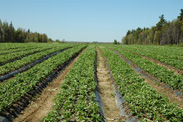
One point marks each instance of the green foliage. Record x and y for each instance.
(115, 41)
(169, 55)
(161, 73)
(161, 23)
(10, 55)
(181, 15)
(163, 33)
(58, 41)
(4, 69)
(142, 99)
(14, 89)
(76, 100)
(9, 34)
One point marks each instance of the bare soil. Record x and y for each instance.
(44, 103)
(168, 94)
(160, 86)
(112, 113)
(170, 68)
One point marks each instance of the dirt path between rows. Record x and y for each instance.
(158, 86)
(170, 68)
(44, 103)
(112, 113)
(168, 94)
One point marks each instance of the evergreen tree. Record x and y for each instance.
(9, 34)
(161, 23)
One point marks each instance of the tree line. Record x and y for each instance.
(9, 34)
(162, 33)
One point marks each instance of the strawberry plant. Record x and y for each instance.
(77, 101)
(142, 100)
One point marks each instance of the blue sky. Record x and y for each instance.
(87, 20)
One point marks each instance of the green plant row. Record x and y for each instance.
(4, 69)
(172, 56)
(18, 48)
(14, 89)
(5, 52)
(76, 100)
(142, 100)
(15, 46)
(165, 51)
(11, 56)
(162, 73)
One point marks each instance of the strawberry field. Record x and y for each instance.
(146, 82)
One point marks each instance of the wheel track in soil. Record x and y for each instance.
(39, 108)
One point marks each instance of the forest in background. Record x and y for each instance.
(162, 33)
(9, 34)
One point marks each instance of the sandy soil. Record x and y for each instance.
(168, 94)
(112, 113)
(160, 87)
(170, 68)
(44, 103)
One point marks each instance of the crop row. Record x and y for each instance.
(162, 73)
(165, 51)
(142, 100)
(4, 69)
(77, 101)
(15, 89)
(14, 46)
(3, 52)
(5, 58)
(18, 55)
(173, 57)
